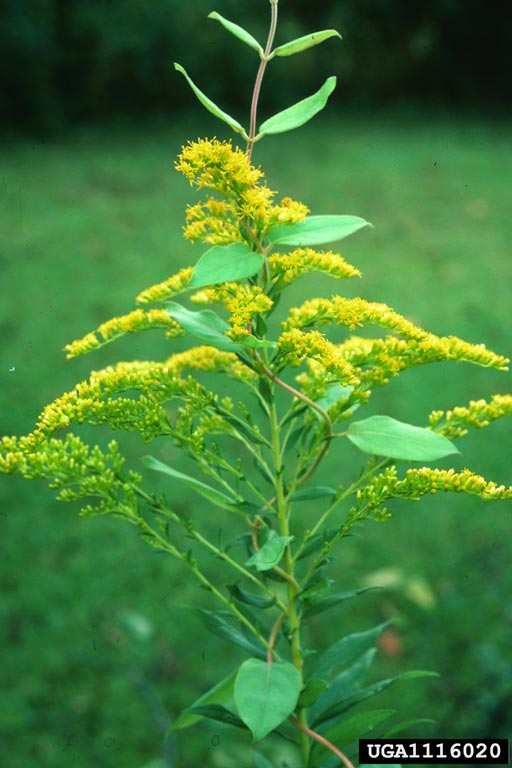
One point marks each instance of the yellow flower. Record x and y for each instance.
(247, 211)
(290, 266)
(478, 414)
(297, 346)
(133, 322)
(243, 302)
(216, 165)
(170, 287)
(214, 222)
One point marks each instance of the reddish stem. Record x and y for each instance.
(344, 759)
(273, 637)
(259, 78)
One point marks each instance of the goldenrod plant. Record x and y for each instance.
(295, 395)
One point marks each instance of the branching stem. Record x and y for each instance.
(321, 740)
(273, 636)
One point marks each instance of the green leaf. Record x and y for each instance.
(243, 596)
(344, 690)
(216, 622)
(302, 43)
(355, 727)
(205, 325)
(270, 553)
(332, 601)
(260, 760)
(312, 690)
(316, 586)
(212, 494)
(332, 395)
(299, 113)
(217, 712)
(209, 104)
(385, 436)
(253, 343)
(345, 651)
(313, 492)
(399, 727)
(237, 31)
(225, 263)
(343, 694)
(219, 694)
(315, 230)
(248, 508)
(266, 694)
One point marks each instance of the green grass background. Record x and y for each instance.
(99, 648)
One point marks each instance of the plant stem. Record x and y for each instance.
(157, 506)
(288, 567)
(304, 729)
(273, 636)
(259, 78)
(352, 488)
(325, 416)
(190, 563)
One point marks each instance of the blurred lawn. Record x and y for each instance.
(99, 648)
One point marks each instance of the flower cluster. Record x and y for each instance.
(296, 346)
(351, 313)
(216, 165)
(133, 322)
(171, 287)
(210, 360)
(287, 267)
(213, 222)
(479, 413)
(374, 361)
(243, 302)
(101, 400)
(417, 483)
(77, 470)
(246, 211)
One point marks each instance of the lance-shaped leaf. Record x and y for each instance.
(299, 113)
(243, 596)
(344, 695)
(270, 553)
(221, 693)
(314, 492)
(355, 727)
(237, 31)
(302, 43)
(385, 436)
(311, 691)
(204, 325)
(261, 761)
(315, 230)
(211, 329)
(266, 694)
(318, 606)
(225, 263)
(345, 651)
(399, 727)
(212, 494)
(209, 104)
(217, 712)
(220, 623)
